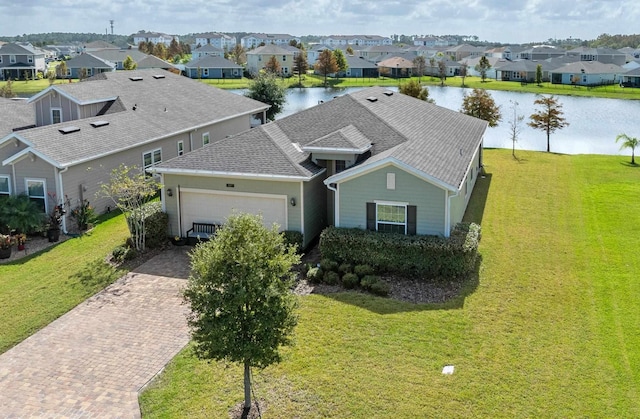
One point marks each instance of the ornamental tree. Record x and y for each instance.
(414, 89)
(242, 309)
(628, 142)
(549, 117)
(326, 64)
(266, 88)
(480, 104)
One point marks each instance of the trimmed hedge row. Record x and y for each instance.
(414, 256)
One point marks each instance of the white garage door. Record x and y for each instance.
(208, 207)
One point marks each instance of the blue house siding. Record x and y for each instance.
(215, 73)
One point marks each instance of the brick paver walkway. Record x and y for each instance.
(93, 361)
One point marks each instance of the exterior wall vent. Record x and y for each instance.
(69, 129)
(135, 78)
(97, 124)
(372, 99)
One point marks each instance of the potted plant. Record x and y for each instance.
(178, 241)
(20, 240)
(83, 214)
(53, 225)
(6, 242)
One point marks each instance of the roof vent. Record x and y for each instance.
(372, 99)
(101, 123)
(135, 78)
(69, 129)
(388, 93)
(158, 76)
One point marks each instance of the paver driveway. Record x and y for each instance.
(93, 361)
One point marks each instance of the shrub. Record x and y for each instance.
(368, 280)
(420, 256)
(350, 280)
(315, 275)
(156, 224)
(380, 288)
(293, 238)
(122, 253)
(331, 278)
(345, 268)
(363, 270)
(329, 265)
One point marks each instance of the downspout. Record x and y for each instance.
(179, 213)
(15, 184)
(447, 227)
(190, 140)
(64, 217)
(336, 206)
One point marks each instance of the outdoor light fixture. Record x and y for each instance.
(293, 202)
(169, 192)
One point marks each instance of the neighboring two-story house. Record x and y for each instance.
(254, 40)
(360, 40)
(218, 40)
(16, 61)
(137, 118)
(257, 58)
(155, 37)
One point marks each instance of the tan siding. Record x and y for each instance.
(290, 189)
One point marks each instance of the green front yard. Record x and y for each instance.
(37, 289)
(550, 329)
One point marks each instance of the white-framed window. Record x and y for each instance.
(391, 218)
(205, 138)
(151, 158)
(30, 59)
(37, 192)
(205, 72)
(68, 72)
(89, 72)
(12, 59)
(56, 115)
(0, 59)
(284, 58)
(180, 148)
(5, 185)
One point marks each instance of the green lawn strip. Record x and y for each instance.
(39, 288)
(550, 331)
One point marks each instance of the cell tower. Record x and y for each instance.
(111, 23)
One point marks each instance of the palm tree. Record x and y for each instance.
(628, 142)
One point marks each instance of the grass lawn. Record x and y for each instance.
(549, 330)
(37, 289)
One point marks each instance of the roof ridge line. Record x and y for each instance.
(286, 155)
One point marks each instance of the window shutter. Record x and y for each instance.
(371, 216)
(411, 220)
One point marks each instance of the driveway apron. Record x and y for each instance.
(93, 361)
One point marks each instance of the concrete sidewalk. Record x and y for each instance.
(93, 361)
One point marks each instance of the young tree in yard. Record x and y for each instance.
(242, 310)
(420, 64)
(301, 65)
(482, 67)
(174, 48)
(7, 90)
(481, 105)
(129, 64)
(432, 66)
(160, 51)
(341, 61)
(273, 66)
(442, 71)
(539, 74)
(51, 77)
(266, 88)
(549, 117)
(130, 188)
(326, 64)
(62, 69)
(349, 50)
(82, 74)
(515, 126)
(463, 71)
(628, 142)
(414, 89)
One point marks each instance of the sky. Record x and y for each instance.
(506, 21)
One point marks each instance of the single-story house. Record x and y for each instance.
(373, 159)
(359, 67)
(117, 56)
(631, 78)
(138, 118)
(210, 67)
(521, 70)
(495, 62)
(586, 73)
(396, 67)
(88, 63)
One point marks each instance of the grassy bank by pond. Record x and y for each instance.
(549, 329)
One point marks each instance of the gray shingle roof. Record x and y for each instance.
(164, 106)
(347, 138)
(15, 114)
(212, 62)
(115, 55)
(87, 60)
(436, 141)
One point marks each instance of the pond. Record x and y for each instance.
(594, 122)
